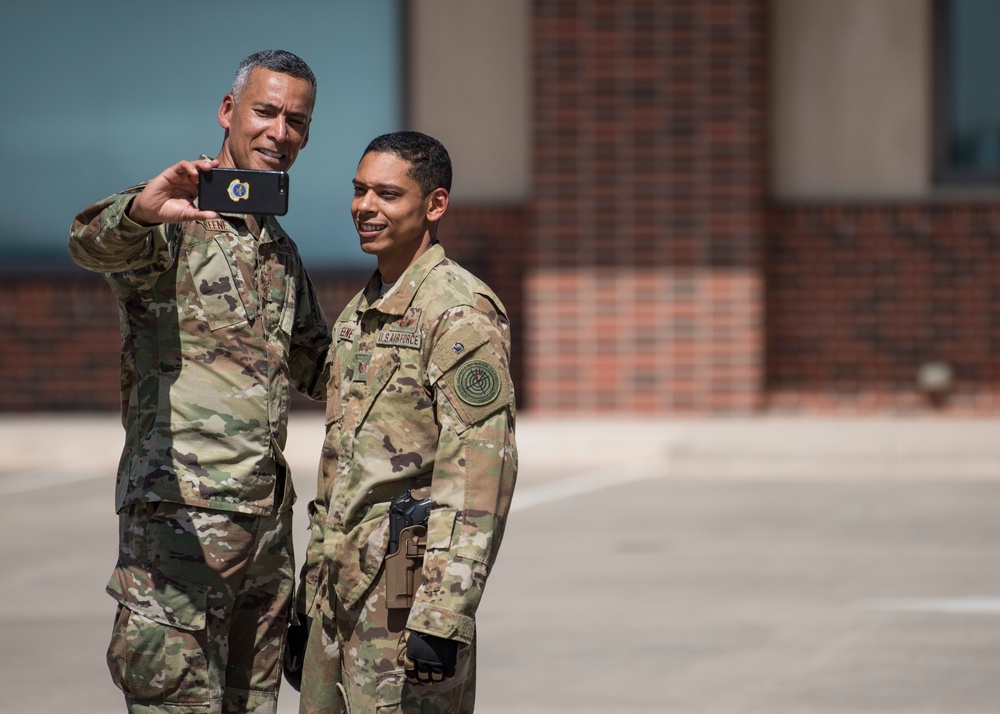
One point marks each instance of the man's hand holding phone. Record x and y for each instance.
(170, 196)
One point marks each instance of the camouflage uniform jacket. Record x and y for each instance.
(419, 390)
(215, 323)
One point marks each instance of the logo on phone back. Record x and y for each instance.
(239, 190)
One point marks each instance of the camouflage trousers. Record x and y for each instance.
(353, 663)
(203, 604)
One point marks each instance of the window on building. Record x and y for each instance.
(101, 99)
(968, 91)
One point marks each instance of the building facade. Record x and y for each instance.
(689, 207)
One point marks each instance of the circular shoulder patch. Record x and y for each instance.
(477, 383)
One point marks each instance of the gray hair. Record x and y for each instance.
(276, 61)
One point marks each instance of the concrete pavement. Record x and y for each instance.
(650, 565)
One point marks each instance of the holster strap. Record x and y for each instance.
(385, 492)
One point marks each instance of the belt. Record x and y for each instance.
(385, 492)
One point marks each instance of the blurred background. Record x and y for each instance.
(784, 213)
(688, 207)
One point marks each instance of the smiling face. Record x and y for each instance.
(394, 220)
(268, 124)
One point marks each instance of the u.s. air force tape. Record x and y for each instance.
(477, 383)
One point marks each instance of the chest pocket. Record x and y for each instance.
(277, 285)
(215, 285)
(363, 395)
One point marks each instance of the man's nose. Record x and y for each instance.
(278, 129)
(363, 203)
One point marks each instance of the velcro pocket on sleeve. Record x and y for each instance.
(479, 526)
(456, 345)
(169, 602)
(440, 535)
(440, 528)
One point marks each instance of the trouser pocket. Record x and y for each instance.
(158, 644)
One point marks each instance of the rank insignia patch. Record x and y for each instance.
(409, 321)
(361, 368)
(477, 383)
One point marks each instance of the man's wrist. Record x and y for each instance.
(130, 214)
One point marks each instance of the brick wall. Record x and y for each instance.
(860, 296)
(644, 287)
(61, 346)
(649, 272)
(60, 343)
(490, 241)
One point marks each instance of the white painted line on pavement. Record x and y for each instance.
(962, 606)
(568, 488)
(38, 478)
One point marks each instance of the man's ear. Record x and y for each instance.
(226, 111)
(437, 204)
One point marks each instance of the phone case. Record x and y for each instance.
(243, 191)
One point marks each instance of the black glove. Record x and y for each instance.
(428, 659)
(295, 650)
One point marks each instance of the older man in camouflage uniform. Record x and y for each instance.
(420, 401)
(217, 317)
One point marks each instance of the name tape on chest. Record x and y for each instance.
(395, 338)
(216, 224)
(403, 332)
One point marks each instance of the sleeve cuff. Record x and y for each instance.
(128, 228)
(430, 620)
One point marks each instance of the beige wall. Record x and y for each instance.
(468, 79)
(851, 106)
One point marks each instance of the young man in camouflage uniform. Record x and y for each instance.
(217, 317)
(420, 401)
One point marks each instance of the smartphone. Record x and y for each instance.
(243, 191)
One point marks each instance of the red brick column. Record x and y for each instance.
(643, 290)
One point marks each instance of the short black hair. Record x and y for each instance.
(281, 61)
(430, 165)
